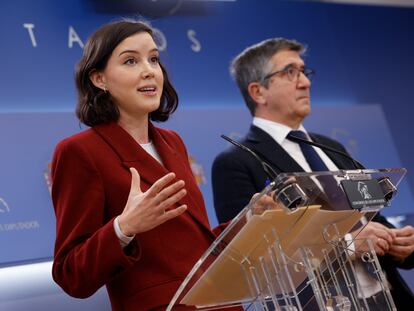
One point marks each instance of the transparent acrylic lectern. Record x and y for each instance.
(288, 249)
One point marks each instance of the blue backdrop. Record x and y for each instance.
(27, 222)
(360, 53)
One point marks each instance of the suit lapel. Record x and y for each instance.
(131, 154)
(276, 156)
(174, 162)
(264, 144)
(271, 151)
(169, 155)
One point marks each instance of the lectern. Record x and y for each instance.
(292, 252)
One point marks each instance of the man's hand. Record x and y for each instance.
(382, 238)
(403, 244)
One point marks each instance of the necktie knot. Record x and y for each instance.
(299, 134)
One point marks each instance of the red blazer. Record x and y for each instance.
(91, 182)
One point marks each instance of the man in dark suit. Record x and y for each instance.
(275, 85)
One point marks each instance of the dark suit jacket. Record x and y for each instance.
(91, 182)
(237, 175)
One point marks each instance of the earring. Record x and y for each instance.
(104, 89)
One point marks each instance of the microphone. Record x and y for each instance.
(387, 187)
(289, 194)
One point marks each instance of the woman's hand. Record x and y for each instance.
(259, 206)
(146, 210)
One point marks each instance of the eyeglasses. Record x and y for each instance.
(292, 73)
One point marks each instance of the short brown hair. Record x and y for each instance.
(96, 106)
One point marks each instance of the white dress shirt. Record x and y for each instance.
(279, 133)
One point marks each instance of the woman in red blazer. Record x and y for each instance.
(129, 212)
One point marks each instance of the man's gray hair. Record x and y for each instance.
(252, 65)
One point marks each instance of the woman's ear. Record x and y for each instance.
(98, 79)
(255, 91)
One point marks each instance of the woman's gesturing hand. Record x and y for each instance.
(146, 210)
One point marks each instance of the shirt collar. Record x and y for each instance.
(278, 131)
